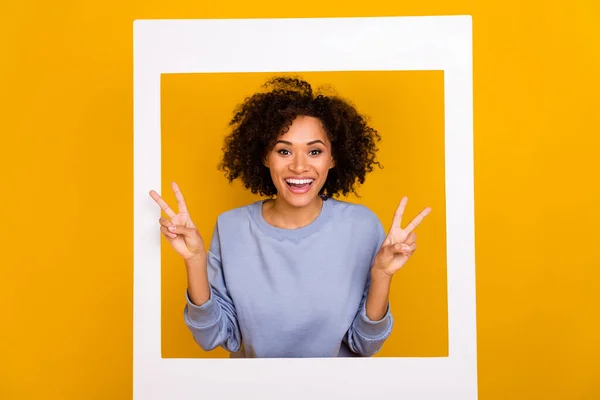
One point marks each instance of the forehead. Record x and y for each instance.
(305, 129)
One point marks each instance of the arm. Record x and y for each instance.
(198, 287)
(373, 322)
(378, 299)
(366, 336)
(210, 313)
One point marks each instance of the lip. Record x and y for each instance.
(296, 190)
(299, 177)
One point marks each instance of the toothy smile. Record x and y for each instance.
(299, 186)
(299, 181)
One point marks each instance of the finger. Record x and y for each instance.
(412, 237)
(168, 235)
(163, 204)
(417, 220)
(389, 251)
(164, 222)
(387, 241)
(399, 212)
(181, 230)
(396, 249)
(179, 196)
(404, 248)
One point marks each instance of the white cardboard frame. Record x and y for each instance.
(295, 45)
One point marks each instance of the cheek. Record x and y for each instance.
(272, 162)
(324, 165)
(275, 168)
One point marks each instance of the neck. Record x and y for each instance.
(281, 214)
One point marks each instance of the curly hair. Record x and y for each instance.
(263, 117)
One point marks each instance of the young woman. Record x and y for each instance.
(298, 274)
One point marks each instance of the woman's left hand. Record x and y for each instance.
(400, 244)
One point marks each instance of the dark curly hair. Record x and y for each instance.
(263, 117)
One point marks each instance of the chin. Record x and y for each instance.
(300, 202)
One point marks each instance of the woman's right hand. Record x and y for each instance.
(179, 230)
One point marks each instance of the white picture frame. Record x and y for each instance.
(303, 45)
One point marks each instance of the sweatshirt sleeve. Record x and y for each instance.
(366, 337)
(214, 323)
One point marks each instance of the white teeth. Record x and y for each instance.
(299, 181)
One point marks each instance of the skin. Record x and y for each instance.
(304, 150)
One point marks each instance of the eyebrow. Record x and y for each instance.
(308, 144)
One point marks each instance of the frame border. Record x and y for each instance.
(337, 44)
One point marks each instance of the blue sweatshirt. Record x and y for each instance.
(291, 292)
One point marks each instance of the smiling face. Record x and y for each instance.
(300, 161)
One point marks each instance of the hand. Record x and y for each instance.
(400, 244)
(179, 231)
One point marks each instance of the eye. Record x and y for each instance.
(283, 152)
(315, 152)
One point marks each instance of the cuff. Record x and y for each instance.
(202, 316)
(374, 329)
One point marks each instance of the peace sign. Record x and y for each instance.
(400, 243)
(179, 231)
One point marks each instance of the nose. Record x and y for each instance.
(298, 164)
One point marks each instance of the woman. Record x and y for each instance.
(299, 274)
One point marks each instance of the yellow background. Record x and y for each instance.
(66, 267)
(407, 109)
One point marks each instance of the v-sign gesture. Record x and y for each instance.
(179, 231)
(400, 243)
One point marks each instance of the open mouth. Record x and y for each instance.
(299, 185)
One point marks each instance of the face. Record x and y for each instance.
(300, 161)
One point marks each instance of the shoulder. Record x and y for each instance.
(357, 214)
(360, 222)
(236, 215)
(230, 223)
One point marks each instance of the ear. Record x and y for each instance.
(332, 163)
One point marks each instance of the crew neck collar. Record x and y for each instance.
(298, 233)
